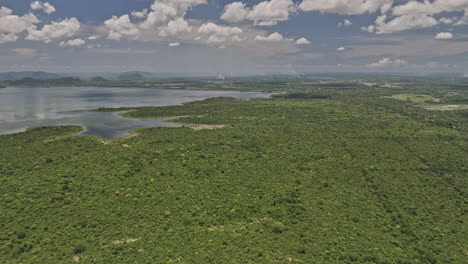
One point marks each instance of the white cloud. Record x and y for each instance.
(5, 38)
(447, 20)
(430, 8)
(340, 49)
(302, 41)
(403, 23)
(236, 38)
(140, 14)
(211, 28)
(218, 33)
(56, 30)
(266, 13)
(387, 63)
(235, 12)
(369, 29)
(46, 7)
(94, 37)
(120, 27)
(274, 37)
(174, 44)
(165, 20)
(4, 11)
(163, 11)
(175, 28)
(415, 15)
(343, 7)
(269, 13)
(464, 19)
(13, 24)
(385, 8)
(73, 43)
(215, 39)
(345, 23)
(444, 35)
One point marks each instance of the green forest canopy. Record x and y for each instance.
(335, 179)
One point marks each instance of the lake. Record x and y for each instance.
(22, 108)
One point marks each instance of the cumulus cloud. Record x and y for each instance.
(4, 11)
(274, 37)
(345, 23)
(464, 19)
(5, 38)
(13, 24)
(387, 7)
(401, 23)
(343, 7)
(302, 41)
(211, 28)
(73, 43)
(235, 12)
(46, 7)
(444, 35)
(140, 14)
(430, 8)
(121, 27)
(266, 13)
(56, 30)
(447, 20)
(269, 13)
(216, 33)
(165, 19)
(236, 38)
(175, 28)
(163, 11)
(415, 15)
(387, 63)
(340, 49)
(174, 44)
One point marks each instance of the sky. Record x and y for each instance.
(249, 37)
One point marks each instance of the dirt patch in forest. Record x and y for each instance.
(111, 141)
(77, 258)
(369, 84)
(205, 127)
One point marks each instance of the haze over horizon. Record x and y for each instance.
(210, 37)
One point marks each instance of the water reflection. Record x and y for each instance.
(21, 108)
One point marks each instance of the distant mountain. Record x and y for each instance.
(28, 74)
(98, 79)
(131, 76)
(30, 82)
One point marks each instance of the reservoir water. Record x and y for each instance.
(22, 108)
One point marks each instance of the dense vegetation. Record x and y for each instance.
(318, 175)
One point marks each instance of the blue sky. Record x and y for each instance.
(210, 37)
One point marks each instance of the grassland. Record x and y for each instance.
(330, 175)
